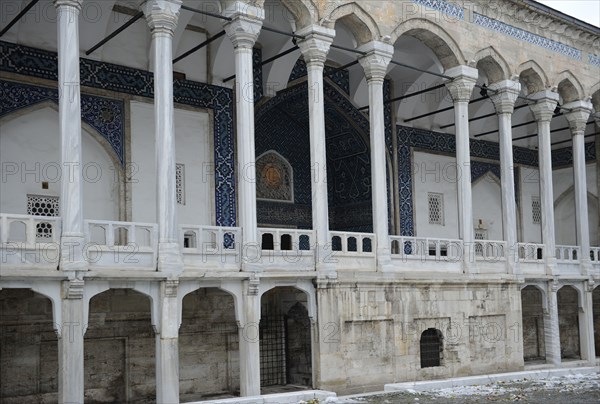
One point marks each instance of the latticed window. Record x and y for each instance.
(431, 348)
(480, 234)
(536, 210)
(41, 205)
(436, 208)
(180, 183)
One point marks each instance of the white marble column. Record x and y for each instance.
(314, 48)
(543, 110)
(551, 328)
(588, 348)
(504, 102)
(243, 30)
(577, 118)
(167, 344)
(375, 64)
(70, 344)
(162, 16)
(249, 339)
(461, 88)
(69, 112)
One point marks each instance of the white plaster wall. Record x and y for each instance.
(32, 141)
(435, 173)
(194, 66)
(529, 187)
(193, 145)
(487, 206)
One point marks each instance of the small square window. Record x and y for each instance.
(435, 202)
(41, 205)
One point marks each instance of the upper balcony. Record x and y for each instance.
(30, 245)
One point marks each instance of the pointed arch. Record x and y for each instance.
(532, 77)
(493, 65)
(434, 37)
(304, 12)
(569, 88)
(361, 24)
(595, 92)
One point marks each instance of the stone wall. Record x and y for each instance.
(370, 332)
(28, 348)
(533, 324)
(208, 345)
(568, 322)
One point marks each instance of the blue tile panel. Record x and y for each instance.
(105, 115)
(341, 77)
(43, 64)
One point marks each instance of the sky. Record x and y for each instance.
(586, 10)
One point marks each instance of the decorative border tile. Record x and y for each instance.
(526, 36)
(103, 114)
(341, 77)
(43, 64)
(257, 71)
(443, 6)
(594, 60)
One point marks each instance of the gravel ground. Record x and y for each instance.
(574, 389)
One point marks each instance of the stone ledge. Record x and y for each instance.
(280, 398)
(485, 379)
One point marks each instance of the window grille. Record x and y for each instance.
(272, 351)
(431, 348)
(536, 210)
(480, 235)
(41, 205)
(436, 208)
(180, 183)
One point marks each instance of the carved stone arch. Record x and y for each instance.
(304, 12)
(305, 286)
(493, 65)
(578, 288)
(532, 77)
(359, 22)
(274, 177)
(542, 289)
(595, 94)
(146, 288)
(434, 37)
(232, 288)
(569, 88)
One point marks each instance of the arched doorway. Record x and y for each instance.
(285, 340)
(431, 347)
(534, 347)
(28, 348)
(119, 349)
(208, 346)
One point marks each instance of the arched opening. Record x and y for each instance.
(285, 340)
(596, 315)
(534, 347)
(208, 346)
(431, 348)
(28, 348)
(568, 322)
(119, 348)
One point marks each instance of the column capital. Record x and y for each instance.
(73, 289)
(69, 3)
(578, 116)
(376, 60)
(162, 15)
(316, 43)
(504, 94)
(246, 22)
(543, 105)
(463, 80)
